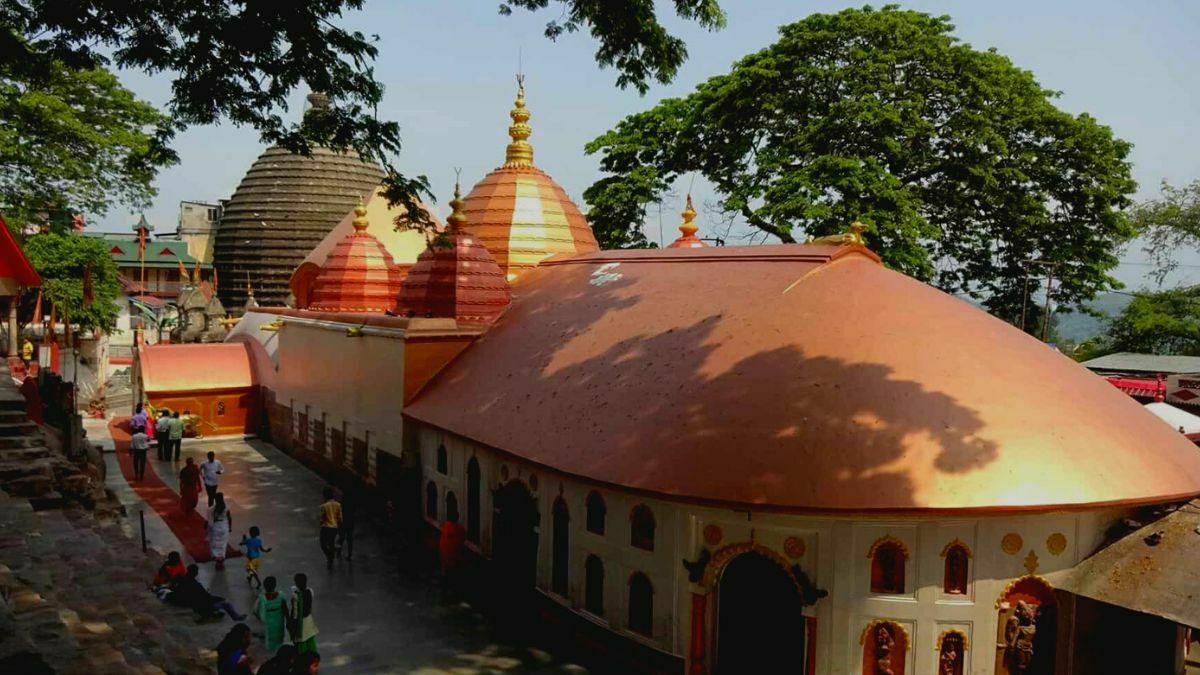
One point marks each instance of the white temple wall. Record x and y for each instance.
(834, 553)
(321, 372)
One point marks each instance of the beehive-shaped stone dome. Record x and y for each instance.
(284, 206)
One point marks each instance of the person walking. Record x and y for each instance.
(139, 447)
(300, 613)
(175, 432)
(220, 522)
(271, 610)
(254, 550)
(450, 550)
(162, 432)
(189, 486)
(27, 353)
(331, 523)
(140, 417)
(211, 471)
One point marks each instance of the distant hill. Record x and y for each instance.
(1078, 327)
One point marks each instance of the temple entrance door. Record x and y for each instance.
(514, 546)
(760, 626)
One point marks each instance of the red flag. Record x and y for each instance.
(87, 285)
(196, 274)
(37, 309)
(183, 273)
(214, 278)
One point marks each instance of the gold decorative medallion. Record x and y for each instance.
(794, 547)
(1031, 562)
(713, 534)
(1056, 543)
(1012, 543)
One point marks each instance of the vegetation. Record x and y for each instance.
(74, 138)
(61, 259)
(1163, 322)
(239, 61)
(1169, 223)
(957, 161)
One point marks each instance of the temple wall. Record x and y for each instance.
(330, 381)
(833, 552)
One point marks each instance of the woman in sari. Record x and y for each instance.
(220, 522)
(302, 625)
(189, 485)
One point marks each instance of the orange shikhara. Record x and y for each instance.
(359, 275)
(519, 213)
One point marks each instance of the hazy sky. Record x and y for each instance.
(448, 67)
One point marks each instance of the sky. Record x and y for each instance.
(449, 69)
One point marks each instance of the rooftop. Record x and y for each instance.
(1130, 362)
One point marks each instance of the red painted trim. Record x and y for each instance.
(696, 665)
(10, 252)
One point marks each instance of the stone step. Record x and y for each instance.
(25, 428)
(22, 442)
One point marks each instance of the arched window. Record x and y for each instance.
(885, 646)
(888, 556)
(443, 462)
(451, 506)
(641, 527)
(596, 513)
(431, 500)
(958, 560)
(561, 553)
(593, 600)
(641, 605)
(473, 500)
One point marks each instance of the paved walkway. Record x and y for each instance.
(372, 617)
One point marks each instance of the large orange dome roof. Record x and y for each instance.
(359, 275)
(519, 213)
(800, 378)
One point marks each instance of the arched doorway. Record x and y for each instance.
(514, 547)
(760, 625)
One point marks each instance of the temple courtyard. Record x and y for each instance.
(373, 616)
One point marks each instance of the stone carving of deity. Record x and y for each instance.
(950, 658)
(884, 642)
(1019, 632)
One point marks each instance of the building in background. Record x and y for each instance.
(198, 228)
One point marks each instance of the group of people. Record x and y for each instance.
(167, 430)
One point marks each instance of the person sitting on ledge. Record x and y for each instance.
(172, 571)
(190, 593)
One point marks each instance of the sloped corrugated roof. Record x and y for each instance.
(1145, 363)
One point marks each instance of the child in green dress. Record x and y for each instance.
(271, 609)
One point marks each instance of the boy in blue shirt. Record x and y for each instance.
(254, 550)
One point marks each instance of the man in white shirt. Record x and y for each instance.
(211, 471)
(139, 445)
(162, 433)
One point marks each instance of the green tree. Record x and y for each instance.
(240, 59)
(60, 260)
(957, 161)
(1163, 322)
(1169, 223)
(75, 138)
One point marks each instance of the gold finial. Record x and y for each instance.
(360, 216)
(249, 288)
(853, 237)
(457, 219)
(519, 152)
(688, 228)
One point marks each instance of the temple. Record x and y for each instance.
(710, 459)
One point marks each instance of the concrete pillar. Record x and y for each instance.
(14, 343)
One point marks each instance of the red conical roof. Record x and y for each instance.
(359, 275)
(456, 277)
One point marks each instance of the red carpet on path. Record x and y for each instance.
(189, 528)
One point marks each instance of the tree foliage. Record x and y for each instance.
(240, 59)
(60, 260)
(1168, 224)
(75, 138)
(1163, 322)
(958, 161)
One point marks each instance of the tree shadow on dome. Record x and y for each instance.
(685, 410)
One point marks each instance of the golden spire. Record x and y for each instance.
(687, 227)
(519, 152)
(457, 219)
(249, 288)
(360, 217)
